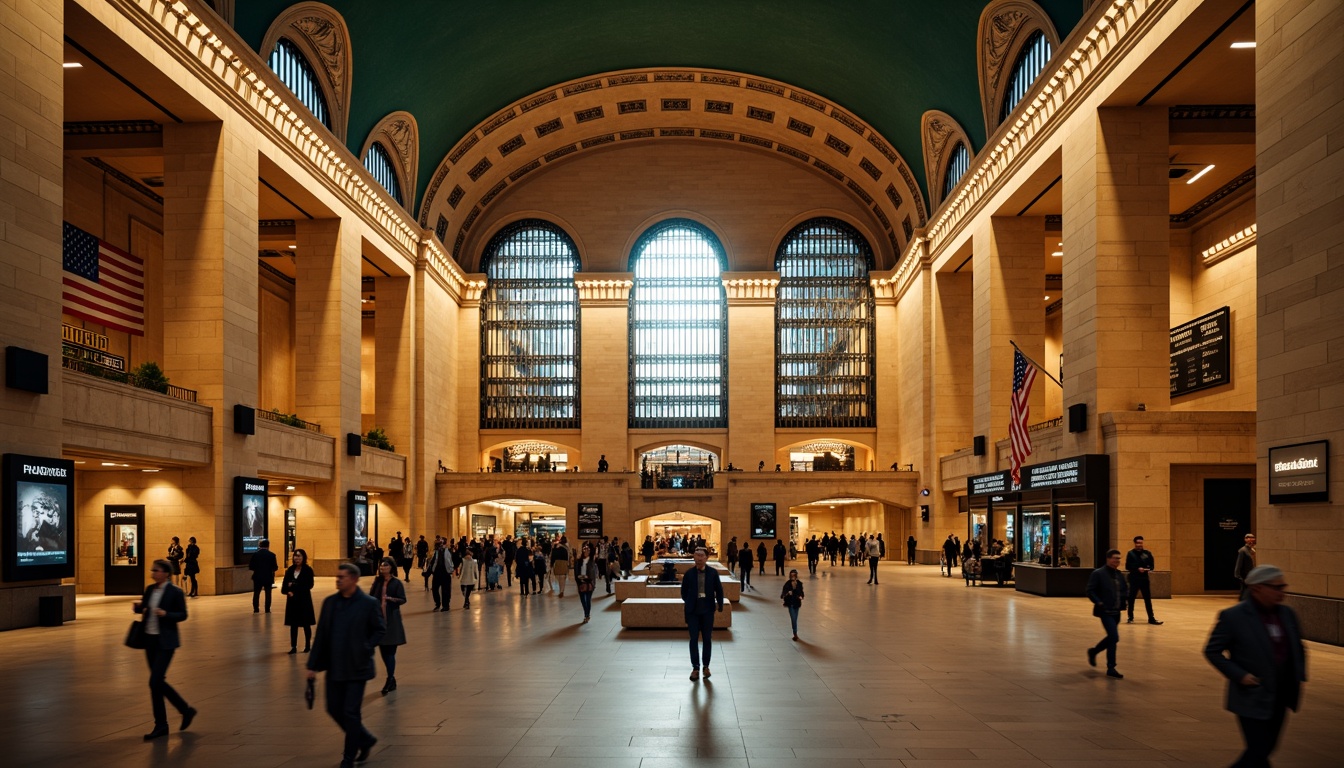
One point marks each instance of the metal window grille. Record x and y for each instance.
(298, 75)
(678, 329)
(957, 166)
(530, 329)
(1033, 58)
(379, 165)
(824, 356)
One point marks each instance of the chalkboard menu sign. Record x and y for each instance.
(1199, 353)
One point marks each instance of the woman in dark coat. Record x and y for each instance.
(526, 572)
(192, 564)
(298, 590)
(792, 595)
(390, 593)
(627, 560)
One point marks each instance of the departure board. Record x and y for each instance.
(1200, 353)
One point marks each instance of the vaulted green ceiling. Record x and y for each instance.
(452, 64)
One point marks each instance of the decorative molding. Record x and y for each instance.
(1218, 194)
(399, 133)
(1005, 26)
(134, 184)
(1212, 112)
(319, 32)
(1237, 241)
(746, 289)
(939, 132)
(604, 289)
(591, 113)
(112, 128)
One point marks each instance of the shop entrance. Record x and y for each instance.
(679, 527)
(123, 564)
(1227, 520)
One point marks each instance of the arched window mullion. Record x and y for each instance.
(289, 63)
(1031, 60)
(379, 165)
(959, 161)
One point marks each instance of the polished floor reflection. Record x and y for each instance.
(920, 671)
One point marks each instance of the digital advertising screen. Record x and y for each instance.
(762, 521)
(249, 515)
(38, 518)
(590, 521)
(357, 509)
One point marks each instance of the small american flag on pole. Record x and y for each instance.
(102, 284)
(1024, 375)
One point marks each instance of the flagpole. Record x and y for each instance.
(1037, 365)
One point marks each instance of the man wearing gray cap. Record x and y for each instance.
(1257, 646)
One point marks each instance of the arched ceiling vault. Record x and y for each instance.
(670, 104)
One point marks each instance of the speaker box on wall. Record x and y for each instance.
(1078, 417)
(244, 420)
(980, 445)
(25, 370)
(354, 444)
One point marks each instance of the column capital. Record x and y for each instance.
(473, 285)
(747, 289)
(604, 289)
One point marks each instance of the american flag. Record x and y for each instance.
(102, 284)
(1024, 375)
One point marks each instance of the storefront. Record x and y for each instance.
(1048, 533)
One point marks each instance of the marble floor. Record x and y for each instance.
(919, 671)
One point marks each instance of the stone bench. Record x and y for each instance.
(645, 586)
(683, 565)
(665, 613)
(631, 587)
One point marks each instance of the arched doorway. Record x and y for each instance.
(850, 517)
(683, 525)
(519, 518)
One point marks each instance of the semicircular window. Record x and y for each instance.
(824, 359)
(530, 329)
(957, 165)
(379, 165)
(1033, 58)
(678, 329)
(298, 76)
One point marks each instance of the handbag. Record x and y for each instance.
(135, 636)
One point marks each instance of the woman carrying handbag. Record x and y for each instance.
(163, 607)
(792, 595)
(585, 578)
(298, 590)
(390, 593)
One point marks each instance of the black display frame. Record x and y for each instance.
(37, 470)
(590, 521)
(1204, 341)
(244, 487)
(355, 501)
(1311, 497)
(759, 509)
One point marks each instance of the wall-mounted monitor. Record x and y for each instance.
(590, 521)
(250, 524)
(357, 519)
(762, 521)
(39, 519)
(1299, 473)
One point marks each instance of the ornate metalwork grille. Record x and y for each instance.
(530, 329)
(824, 358)
(298, 75)
(957, 165)
(379, 165)
(678, 329)
(1033, 58)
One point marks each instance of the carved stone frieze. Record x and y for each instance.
(940, 134)
(320, 34)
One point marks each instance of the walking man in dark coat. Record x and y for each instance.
(442, 574)
(1106, 589)
(1245, 562)
(910, 544)
(949, 553)
(1138, 564)
(349, 629)
(1257, 646)
(780, 554)
(263, 566)
(701, 593)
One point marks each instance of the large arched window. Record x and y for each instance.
(298, 75)
(1033, 58)
(824, 373)
(678, 329)
(957, 165)
(379, 165)
(530, 329)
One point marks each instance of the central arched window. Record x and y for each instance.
(824, 361)
(530, 329)
(678, 329)
(379, 165)
(1033, 58)
(298, 75)
(957, 165)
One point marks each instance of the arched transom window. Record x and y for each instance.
(379, 165)
(1033, 58)
(298, 75)
(824, 328)
(530, 329)
(678, 329)
(957, 164)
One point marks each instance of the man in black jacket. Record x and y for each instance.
(813, 549)
(701, 592)
(1138, 564)
(442, 574)
(1106, 589)
(1257, 646)
(1245, 562)
(350, 627)
(263, 567)
(164, 607)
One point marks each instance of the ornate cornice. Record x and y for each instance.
(112, 128)
(1005, 26)
(750, 288)
(939, 133)
(1233, 243)
(400, 136)
(319, 31)
(604, 289)
(680, 104)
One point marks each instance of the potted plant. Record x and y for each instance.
(149, 375)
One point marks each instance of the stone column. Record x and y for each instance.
(1300, 286)
(751, 369)
(468, 361)
(952, 397)
(327, 365)
(395, 368)
(604, 372)
(436, 381)
(210, 318)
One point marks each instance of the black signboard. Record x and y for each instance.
(357, 517)
(39, 520)
(590, 521)
(1299, 473)
(1199, 353)
(1055, 474)
(763, 518)
(250, 522)
(983, 485)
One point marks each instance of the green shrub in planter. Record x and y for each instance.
(378, 439)
(149, 375)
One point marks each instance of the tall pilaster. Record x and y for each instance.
(751, 374)
(394, 390)
(604, 372)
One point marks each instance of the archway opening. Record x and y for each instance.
(849, 519)
(675, 532)
(519, 518)
(677, 466)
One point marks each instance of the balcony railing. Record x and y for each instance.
(289, 420)
(123, 377)
(1047, 424)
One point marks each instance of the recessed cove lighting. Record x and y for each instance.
(293, 247)
(1047, 298)
(109, 463)
(1243, 44)
(71, 65)
(1200, 175)
(149, 470)
(289, 487)
(1057, 253)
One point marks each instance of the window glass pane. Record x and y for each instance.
(1033, 58)
(824, 328)
(529, 329)
(678, 309)
(298, 75)
(957, 165)
(379, 165)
